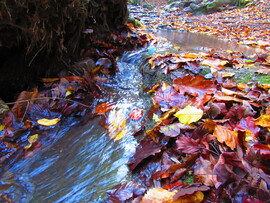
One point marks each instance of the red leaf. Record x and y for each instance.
(190, 190)
(145, 149)
(248, 124)
(103, 108)
(195, 86)
(187, 144)
(136, 114)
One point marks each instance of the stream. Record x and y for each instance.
(85, 162)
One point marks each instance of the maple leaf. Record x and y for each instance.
(168, 97)
(224, 135)
(189, 114)
(195, 86)
(187, 144)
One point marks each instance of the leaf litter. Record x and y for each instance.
(210, 141)
(218, 149)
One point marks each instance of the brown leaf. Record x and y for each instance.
(191, 190)
(187, 144)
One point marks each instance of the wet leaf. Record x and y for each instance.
(32, 139)
(116, 124)
(104, 107)
(224, 135)
(172, 130)
(189, 114)
(136, 114)
(191, 194)
(195, 86)
(145, 149)
(187, 144)
(168, 97)
(48, 122)
(216, 63)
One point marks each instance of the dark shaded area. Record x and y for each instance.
(40, 38)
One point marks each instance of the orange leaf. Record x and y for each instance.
(160, 195)
(263, 120)
(103, 108)
(223, 134)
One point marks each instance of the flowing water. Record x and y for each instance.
(83, 163)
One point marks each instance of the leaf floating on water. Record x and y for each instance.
(32, 139)
(117, 124)
(104, 107)
(189, 114)
(48, 122)
(136, 114)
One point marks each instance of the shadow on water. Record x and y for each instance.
(84, 162)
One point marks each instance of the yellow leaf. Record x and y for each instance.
(31, 140)
(160, 195)
(2, 127)
(117, 124)
(189, 114)
(48, 122)
(263, 120)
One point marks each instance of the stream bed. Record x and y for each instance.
(85, 162)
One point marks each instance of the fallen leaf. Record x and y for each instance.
(172, 130)
(160, 195)
(196, 86)
(116, 124)
(215, 63)
(224, 135)
(187, 144)
(104, 107)
(263, 120)
(189, 114)
(48, 122)
(136, 114)
(167, 97)
(31, 139)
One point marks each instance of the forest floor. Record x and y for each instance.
(210, 141)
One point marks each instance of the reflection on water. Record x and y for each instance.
(84, 162)
(197, 41)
